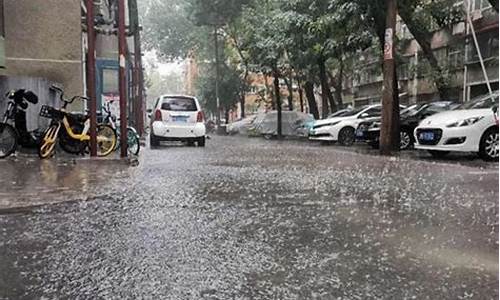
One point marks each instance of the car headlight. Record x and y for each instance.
(466, 122)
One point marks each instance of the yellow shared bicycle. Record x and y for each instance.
(71, 130)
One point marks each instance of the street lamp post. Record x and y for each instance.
(217, 75)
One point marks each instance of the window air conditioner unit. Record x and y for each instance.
(459, 28)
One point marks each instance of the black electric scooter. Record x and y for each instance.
(13, 128)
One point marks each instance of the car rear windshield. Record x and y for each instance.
(179, 104)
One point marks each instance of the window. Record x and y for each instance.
(455, 58)
(110, 81)
(488, 45)
(179, 104)
(404, 68)
(374, 112)
(441, 55)
(480, 5)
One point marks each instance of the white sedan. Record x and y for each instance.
(342, 129)
(472, 127)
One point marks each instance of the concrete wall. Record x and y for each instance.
(43, 39)
(41, 87)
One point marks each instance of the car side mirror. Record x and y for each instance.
(364, 115)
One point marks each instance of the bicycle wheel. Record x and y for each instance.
(134, 146)
(70, 145)
(106, 140)
(48, 144)
(8, 140)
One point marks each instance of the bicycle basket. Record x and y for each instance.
(50, 112)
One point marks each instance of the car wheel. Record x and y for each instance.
(153, 141)
(405, 140)
(438, 154)
(374, 144)
(488, 148)
(346, 136)
(201, 142)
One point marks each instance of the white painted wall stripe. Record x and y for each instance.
(44, 60)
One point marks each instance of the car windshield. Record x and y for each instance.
(340, 113)
(354, 111)
(411, 110)
(179, 104)
(433, 108)
(481, 102)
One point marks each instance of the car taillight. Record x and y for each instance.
(158, 116)
(200, 118)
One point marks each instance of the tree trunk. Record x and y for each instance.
(337, 83)
(289, 85)
(389, 129)
(423, 37)
(242, 105)
(243, 94)
(325, 90)
(278, 101)
(270, 92)
(301, 95)
(311, 100)
(226, 115)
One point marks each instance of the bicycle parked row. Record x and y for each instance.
(69, 130)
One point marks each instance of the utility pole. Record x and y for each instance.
(122, 78)
(91, 84)
(138, 76)
(278, 102)
(217, 75)
(389, 131)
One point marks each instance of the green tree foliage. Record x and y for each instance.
(214, 12)
(322, 35)
(168, 30)
(229, 87)
(160, 84)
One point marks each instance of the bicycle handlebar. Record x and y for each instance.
(66, 102)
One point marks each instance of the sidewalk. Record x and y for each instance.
(27, 181)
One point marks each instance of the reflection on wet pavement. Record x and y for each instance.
(252, 219)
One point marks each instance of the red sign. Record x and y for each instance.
(388, 46)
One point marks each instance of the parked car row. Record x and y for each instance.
(293, 124)
(438, 127)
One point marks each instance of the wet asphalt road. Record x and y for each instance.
(250, 219)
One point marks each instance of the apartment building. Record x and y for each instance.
(45, 43)
(455, 51)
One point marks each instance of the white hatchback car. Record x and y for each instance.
(471, 127)
(178, 118)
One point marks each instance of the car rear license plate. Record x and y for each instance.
(180, 119)
(427, 136)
